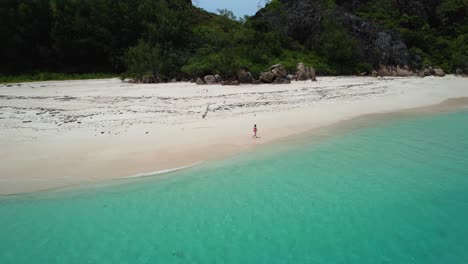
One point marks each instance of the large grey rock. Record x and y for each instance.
(403, 72)
(279, 71)
(459, 71)
(384, 71)
(200, 82)
(302, 73)
(281, 81)
(301, 67)
(313, 76)
(427, 72)
(272, 67)
(210, 79)
(267, 77)
(439, 73)
(244, 76)
(431, 70)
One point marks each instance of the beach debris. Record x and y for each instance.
(206, 111)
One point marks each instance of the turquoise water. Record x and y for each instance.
(396, 192)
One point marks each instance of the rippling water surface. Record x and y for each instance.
(396, 192)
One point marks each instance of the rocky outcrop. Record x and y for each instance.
(404, 72)
(281, 80)
(302, 20)
(200, 82)
(395, 71)
(431, 72)
(279, 71)
(244, 76)
(439, 73)
(210, 79)
(267, 77)
(304, 73)
(230, 82)
(276, 75)
(428, 71)
(425, 9)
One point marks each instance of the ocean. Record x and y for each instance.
(395, 191)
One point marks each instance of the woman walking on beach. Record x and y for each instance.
(255, 131)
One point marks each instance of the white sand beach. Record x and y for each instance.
(61, 133)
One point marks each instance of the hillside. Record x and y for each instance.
(174, 39)
(389, 32)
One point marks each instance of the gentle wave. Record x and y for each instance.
(154, 173)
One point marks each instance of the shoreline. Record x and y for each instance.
(287, 142)
(185, 138)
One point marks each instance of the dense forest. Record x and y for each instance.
(176, 39)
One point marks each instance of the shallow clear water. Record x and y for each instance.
(396, 192)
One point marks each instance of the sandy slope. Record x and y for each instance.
(54, 134)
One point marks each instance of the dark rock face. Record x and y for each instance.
(377, 46)
(425, 9)
(302, 21)
(267, 77)
(298, 19)
(244, 76)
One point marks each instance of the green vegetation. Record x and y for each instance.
(136, 38)
(174, 39)
(339, 48)
(50, 76)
